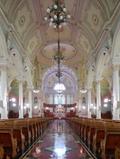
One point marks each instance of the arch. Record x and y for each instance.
(67, 73)
(13, 99)
(116, 45)
(14, 88)
(105, 87)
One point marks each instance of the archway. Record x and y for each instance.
(13, 100)
(68, 79)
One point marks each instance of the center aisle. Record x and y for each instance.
(58, 142)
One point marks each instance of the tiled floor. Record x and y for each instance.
(58, 142)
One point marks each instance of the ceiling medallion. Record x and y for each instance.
(22, 20)
(95, 19)
(68, 50)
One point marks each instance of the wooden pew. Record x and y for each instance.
(101, 136)
(2, 152)
(75, 125)
(98, 136)
(8, 143)
(22, 125)
(87, 129)
(32, 127)
(90, 137)
(39, 128)
(82, 126)
(117, 153)
(17, 133)
(111, 140)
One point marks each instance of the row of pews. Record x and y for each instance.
(17, 135)
(102, 137)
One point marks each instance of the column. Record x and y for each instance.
(116, 93)
(89, 103)
(30, 102)
(80, 105)
(4, 114)
(98, 91)
(52, 98)
(41, 108)
(20, 99)
(43, 101)
(65, 99)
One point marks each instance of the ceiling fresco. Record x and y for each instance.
(94, 18)
(68, 51)
(88, 18)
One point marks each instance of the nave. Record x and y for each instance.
(58, 142)
(59, 59)
(59, 138)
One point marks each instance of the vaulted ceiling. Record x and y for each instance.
(78, 39)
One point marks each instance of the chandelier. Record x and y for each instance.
(59, 87)
(58, 57)
(36, 90)
(57, 14)
(83, 89)
(57, 17)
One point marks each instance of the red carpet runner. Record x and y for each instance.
(58, 142)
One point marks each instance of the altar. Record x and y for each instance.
(60, 110)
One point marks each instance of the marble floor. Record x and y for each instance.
(58, 142)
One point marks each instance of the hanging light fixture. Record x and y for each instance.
(57, 17)
(59, 87)
(36, 90)
(57, 14)
(83, 89)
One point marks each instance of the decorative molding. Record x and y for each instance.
(107, 28)
(13, 34)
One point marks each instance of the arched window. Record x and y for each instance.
(59, 99)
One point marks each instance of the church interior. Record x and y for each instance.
(59, 79)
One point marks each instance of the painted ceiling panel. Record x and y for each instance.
(111, 5)
(93, 18)
(23, 18)
(88, 17)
